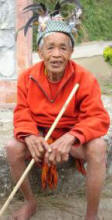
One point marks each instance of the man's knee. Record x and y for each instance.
(15, 150)
(96, 150)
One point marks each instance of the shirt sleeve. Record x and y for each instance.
(23, 121)
(93, 119)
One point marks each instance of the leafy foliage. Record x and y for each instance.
(96, 20)
(108, 54)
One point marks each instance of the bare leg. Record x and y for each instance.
(94, 153)
(16, 153)
(96, 170)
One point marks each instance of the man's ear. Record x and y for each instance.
(40, 53)
(72, 50)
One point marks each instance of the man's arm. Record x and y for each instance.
(23, 121)
(93, 120)
(25, 128)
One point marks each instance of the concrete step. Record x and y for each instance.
(62, 207)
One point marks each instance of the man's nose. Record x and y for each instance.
(56, 52)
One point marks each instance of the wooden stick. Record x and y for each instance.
(33, 161)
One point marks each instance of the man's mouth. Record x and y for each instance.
(56, 63)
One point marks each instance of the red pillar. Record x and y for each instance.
(23, 44)
(23, 55)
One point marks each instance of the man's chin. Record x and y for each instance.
(57, 70)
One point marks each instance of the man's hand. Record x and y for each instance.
(37, 147)
(60, 149)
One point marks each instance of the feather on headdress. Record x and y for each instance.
(42, 15)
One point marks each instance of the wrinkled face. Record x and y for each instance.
(56, 51)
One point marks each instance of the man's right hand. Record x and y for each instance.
(37, 147)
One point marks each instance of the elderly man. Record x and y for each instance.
(42, 91)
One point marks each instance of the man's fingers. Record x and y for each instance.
(36, 154)
(39, 150)
(46, 157)
(41, 147)
(46, 145)
(58, 158)
(51, 157)
(36, 158)
(65, 157)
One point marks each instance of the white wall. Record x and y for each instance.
(7, 39)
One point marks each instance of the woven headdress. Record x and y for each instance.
(52, 20)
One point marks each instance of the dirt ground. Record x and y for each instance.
(63, 207)
(101, 70)
(73, 207)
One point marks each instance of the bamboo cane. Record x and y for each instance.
(33, 161)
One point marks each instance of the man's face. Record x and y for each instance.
(56, 51)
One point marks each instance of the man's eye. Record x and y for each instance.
(49, 48)
(63, 48)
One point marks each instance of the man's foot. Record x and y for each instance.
(25, 213)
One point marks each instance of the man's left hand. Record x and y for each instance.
(60, 149)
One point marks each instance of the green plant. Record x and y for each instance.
(107, 53)
(96, 21)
